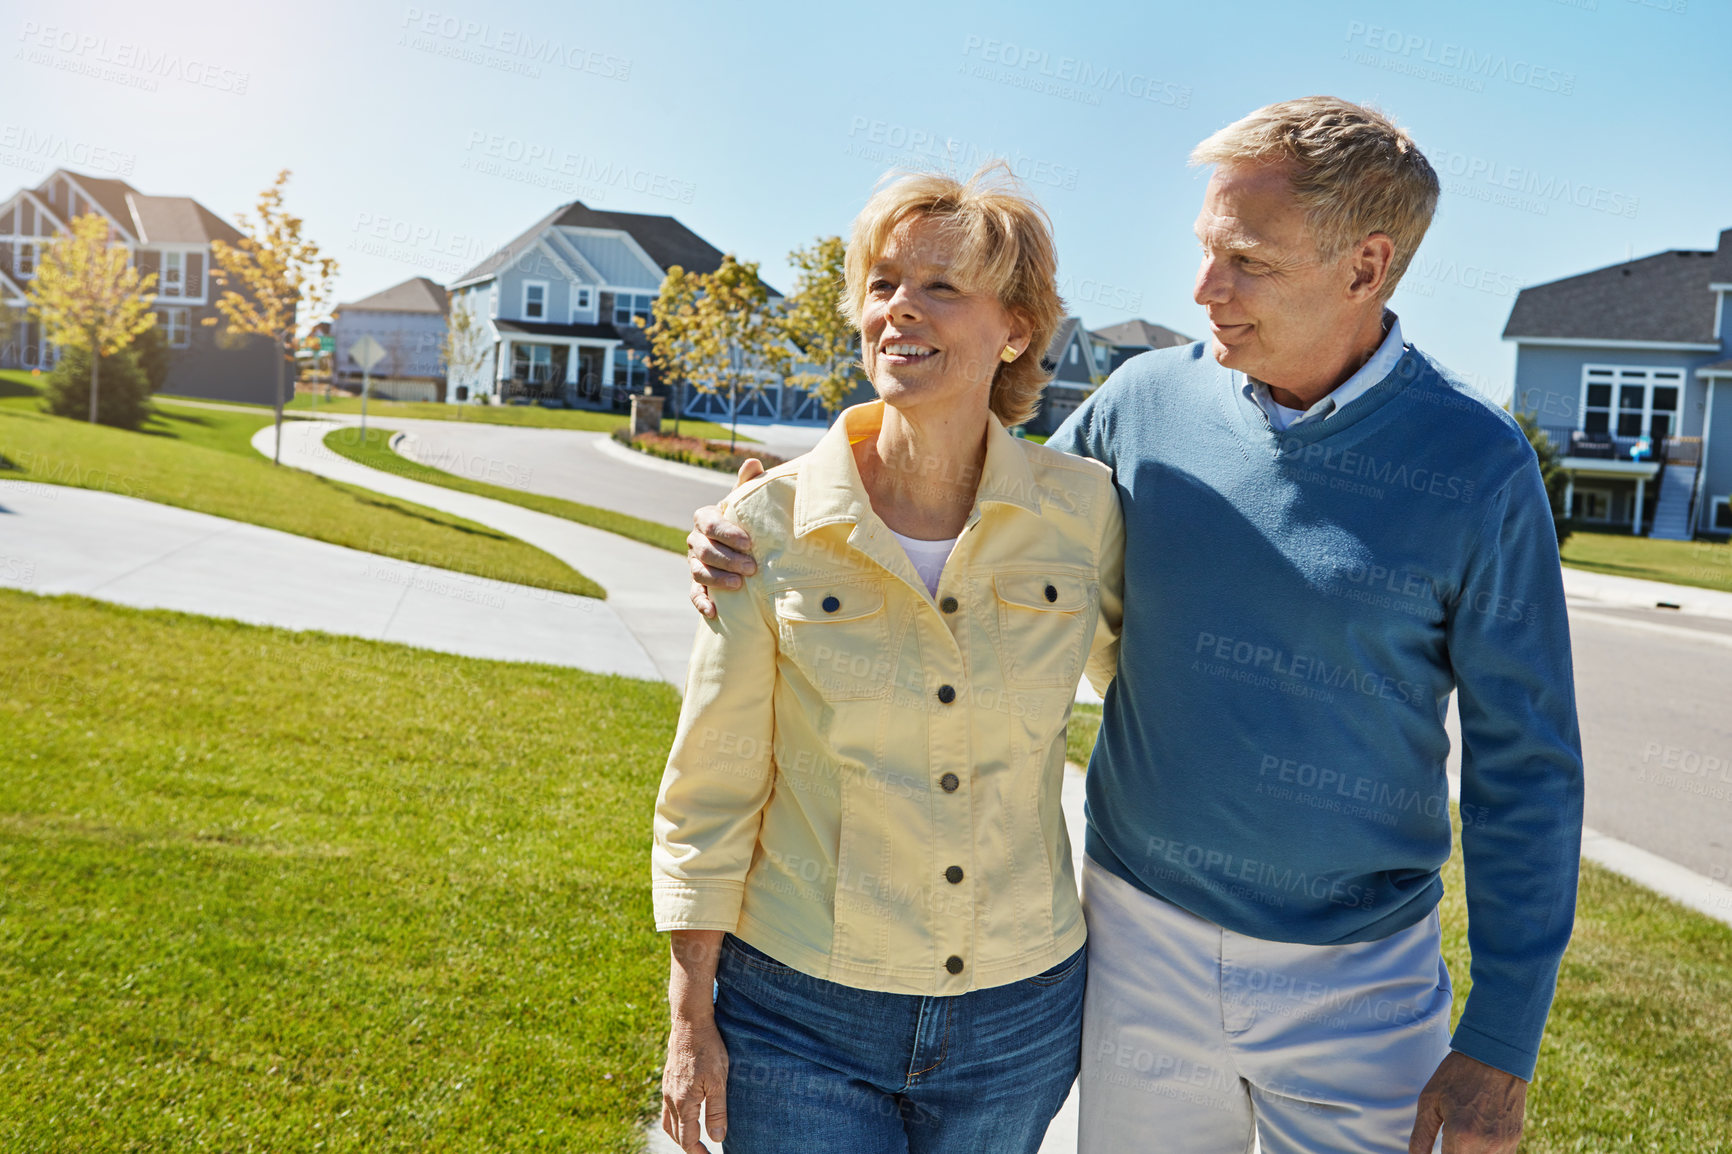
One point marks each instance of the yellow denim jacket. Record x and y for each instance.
(865, 780)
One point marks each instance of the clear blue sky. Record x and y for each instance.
(1568, 132)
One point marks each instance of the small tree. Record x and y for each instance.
(1551, 471)
(737, 336)
(87, 294)
(465, 347)
(817, 326)
(274, 281)
(672, 332)
(125, 398)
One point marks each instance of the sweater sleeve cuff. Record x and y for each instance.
(1495, 1052)
(708, 905)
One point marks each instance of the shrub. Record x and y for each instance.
(151, 349)
(122, 392)
(692, 451)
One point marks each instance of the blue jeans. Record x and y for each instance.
(814, 1066)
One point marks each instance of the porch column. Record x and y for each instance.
(1641, 491)
(571, 348)
(607, 365)
(502, 370)
(1569, 495)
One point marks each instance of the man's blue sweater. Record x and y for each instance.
(1298, 607)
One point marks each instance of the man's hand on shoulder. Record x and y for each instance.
(1478, 1107)
(719, 551)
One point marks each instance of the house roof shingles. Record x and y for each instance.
(151, 219)
(1662, 297)
(665, 239)
(1141, 334)
(415, 295)
(1721, 270)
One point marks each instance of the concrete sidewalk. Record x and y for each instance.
(646, 587)
(58, 539)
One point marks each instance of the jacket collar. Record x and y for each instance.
(831, 491)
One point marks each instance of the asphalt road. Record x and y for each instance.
(1654, 693)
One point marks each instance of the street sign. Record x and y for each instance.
(367, 353)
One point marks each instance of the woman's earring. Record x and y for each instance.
(1009, 354)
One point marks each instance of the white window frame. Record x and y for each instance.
(174, 286)
(582, 298)
(177, 327)
(631, 310)
(19, 263)
(1073, 356)
(527, 285)
(1620, 377)
(1583, 494)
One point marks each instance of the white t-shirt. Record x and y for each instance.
(928, 557)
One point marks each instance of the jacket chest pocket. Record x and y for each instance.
(1043, 616)
(838, 635)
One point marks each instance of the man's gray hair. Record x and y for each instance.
(1352, 169)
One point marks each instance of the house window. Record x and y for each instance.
(1723, 513)
(1592, 505)
(630, 371)
(632, 308)
(175, 327)
(532, 363)
(534, 300)
(582, 300)
(1631, 402)
(173, 279)
(25, 261)
(1073, 354)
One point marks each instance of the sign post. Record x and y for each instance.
(367, 353)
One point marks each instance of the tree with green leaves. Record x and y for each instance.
(672, 332)
(87, 294)
(274, 282)
(1551, 470)
(716, 331)
(815, 324)
(466, 346)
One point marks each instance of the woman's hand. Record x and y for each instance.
(696, 1075)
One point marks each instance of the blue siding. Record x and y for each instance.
(1548, 381)
(1717, 476)
(615, 260)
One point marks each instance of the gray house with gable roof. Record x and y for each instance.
(564, 305)
(408, 321)
(1628, 368)
(167, 235)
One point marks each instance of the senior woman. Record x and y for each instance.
(858, 835)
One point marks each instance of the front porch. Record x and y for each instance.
(570, 372)
(1647, 483)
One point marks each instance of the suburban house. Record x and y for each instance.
(167, 235)
(1628, 368)
(1080, 360)
(408, 321)
(1134, 337)
(561, 312)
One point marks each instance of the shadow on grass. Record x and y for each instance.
(15, 388)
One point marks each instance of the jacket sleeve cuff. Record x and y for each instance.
(1495, 1052)
(708, 905)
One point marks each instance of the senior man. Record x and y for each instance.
(1326, 534)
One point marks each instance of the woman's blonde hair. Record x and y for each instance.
(1353, 171)
(1005, 248)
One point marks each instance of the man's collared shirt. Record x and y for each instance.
(1381, 364)
(866, 776)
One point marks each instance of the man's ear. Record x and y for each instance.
(1370, 266)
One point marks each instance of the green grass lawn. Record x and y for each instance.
(1705, 564)
(375, 452)
(263, 890)
(535, 416)
(202, 459)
